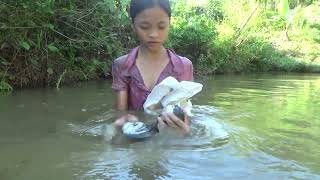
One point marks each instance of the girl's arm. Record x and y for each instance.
(122, 100)
(122, 107)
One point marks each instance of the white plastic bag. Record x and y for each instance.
(171, 92)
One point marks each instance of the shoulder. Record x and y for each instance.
(186, 62)
(126, 61)
(187, 73)
(120, 61)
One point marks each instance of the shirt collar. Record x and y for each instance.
(174, 58)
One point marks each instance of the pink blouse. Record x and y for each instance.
(127, 77)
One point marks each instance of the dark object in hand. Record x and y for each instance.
(140, 131)
(178, 112)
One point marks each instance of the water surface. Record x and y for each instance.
(272, 122)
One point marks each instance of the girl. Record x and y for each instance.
(135, 74)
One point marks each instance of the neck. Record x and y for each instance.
(152, 55)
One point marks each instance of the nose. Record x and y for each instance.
(154, 33)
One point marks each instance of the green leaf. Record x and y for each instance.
(53, 48)
(284, 9)
(4, 86)
(5, 63)
(95, 61)
(34, 62)
(50, 26)
(50, 71)
(25, 45)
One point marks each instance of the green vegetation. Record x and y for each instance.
(54, 42)
(254, 37)
(50, 42)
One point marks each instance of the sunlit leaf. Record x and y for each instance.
(53, 48)
(25, 45)
(50, 71)
(284, 9)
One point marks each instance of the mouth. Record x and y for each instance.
(153, 42)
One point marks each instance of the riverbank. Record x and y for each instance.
(54, 43)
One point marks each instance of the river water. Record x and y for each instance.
(264, 126)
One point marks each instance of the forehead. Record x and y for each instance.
(152, 15)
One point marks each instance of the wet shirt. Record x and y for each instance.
(127, 77)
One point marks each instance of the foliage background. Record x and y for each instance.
(55, 42)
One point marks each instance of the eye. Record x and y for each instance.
(162, 27)
(144, 27)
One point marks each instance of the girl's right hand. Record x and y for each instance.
(172, 121)
(127, 118)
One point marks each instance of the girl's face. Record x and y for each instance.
(152, 28)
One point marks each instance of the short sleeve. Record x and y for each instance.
(119, 82)
(187, 69)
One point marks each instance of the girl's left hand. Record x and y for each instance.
(126, 118)
(171, 120)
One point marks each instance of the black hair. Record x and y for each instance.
(137, 6)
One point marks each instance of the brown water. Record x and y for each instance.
(245, 127)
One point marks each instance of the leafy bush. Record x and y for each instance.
(192, 33)
(49, 40)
